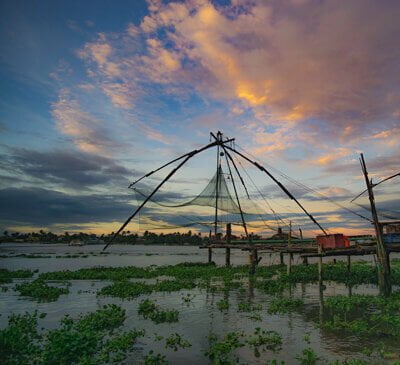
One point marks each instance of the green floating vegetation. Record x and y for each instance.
(27, 256)
(40, 291)
(176, 341)
(364, 314)
(88, 340)
(284, 305)
(248, 307)
(307, 357)
(223, 305)
(151, 310)
(125, 289)
(128, 290)
(7, 276)
(264, 340)
(221, 349)
(155, 359)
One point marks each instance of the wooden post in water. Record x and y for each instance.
(228, 242)
(252, 261)
(281, 258)
(348, 263)
(289, 264)
(383, 262)
(209, 249)
(320, 265)
(290, 255)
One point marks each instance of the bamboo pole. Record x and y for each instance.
(286, 191)
(383, 262)
(228, 241)
(171, 173)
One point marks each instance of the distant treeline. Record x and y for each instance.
(126, 237)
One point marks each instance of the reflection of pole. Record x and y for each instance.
(321, 304)
(383, 262)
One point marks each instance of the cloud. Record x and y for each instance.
(316, 68)
(68, 169)
(46, 207)
(334, 61)
(86, 131)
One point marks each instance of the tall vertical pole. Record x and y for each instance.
(228, 242)
(383, 262)
(219, 138)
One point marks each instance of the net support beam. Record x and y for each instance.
(171, 173)
(286, 191)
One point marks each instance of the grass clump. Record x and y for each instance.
(40, 291)
(149, 309)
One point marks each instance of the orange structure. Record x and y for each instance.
(337, 240)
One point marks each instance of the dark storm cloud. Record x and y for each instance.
(46, 207)
(69, 169)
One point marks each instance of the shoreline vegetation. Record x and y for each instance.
(125, 237)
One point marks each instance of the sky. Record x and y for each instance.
(96, 94)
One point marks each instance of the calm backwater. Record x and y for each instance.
(198, 319)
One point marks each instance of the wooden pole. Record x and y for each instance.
(383, 262)
(228, 241)
(290, 195)
(252, 259)
(170, 174)
(281, 258)
(289, 265)
(320, 265)
(348, 263)
(290, 256)
(209, 255)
